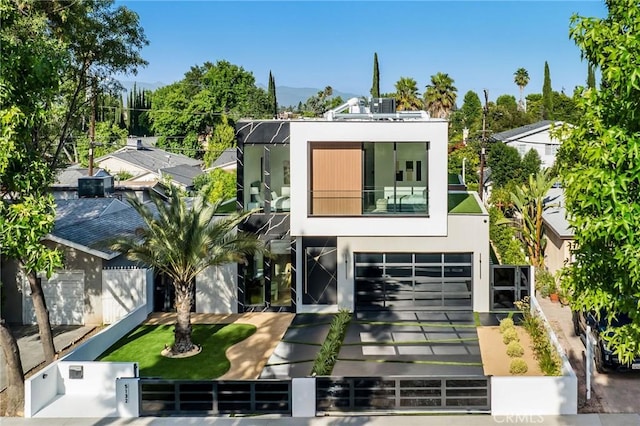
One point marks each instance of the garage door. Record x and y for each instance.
(413, 281)
(64, 295)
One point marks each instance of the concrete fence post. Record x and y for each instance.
(127, 397)
(303, 397)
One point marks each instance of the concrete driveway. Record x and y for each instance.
(617, 392)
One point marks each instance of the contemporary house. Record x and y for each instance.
(356, 213)
(535, 136)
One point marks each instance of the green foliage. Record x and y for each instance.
(545, 282)
(534, 106)
(506, 116)
(469, 115)
(375, 86)
(184, 114)
(109, 138)
(328, 354)
(521, 78)
(531, 163)
(601, 175)
(515, 349)
(547, 356)
(518, 366)
(407, 96)
(223, 137)
(508, 102)
(510, 335)
(547, 97)
(217, 185)
(322, 102)
(271, 95)
(138, 106)
(505, 324)
(507, 246)
(440, 95)
(470, 152)
(145, 344)
(529, 201)
(505, 164)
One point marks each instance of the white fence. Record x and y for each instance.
(123, 290)
(540, 395)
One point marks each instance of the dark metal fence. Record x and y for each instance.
(468, 394)
(160, 397)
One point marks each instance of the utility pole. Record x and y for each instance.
(92, 125)
(482, 143)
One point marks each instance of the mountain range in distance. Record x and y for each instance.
(286, 95)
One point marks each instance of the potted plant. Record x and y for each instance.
(546, 285)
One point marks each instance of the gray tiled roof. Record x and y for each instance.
(228, 156)
(555, 217)
(94, 222)
(182, 174)
(151, 159)
(509, 134)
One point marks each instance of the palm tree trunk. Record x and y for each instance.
(42, 316)
(14, 401)
(182, 334)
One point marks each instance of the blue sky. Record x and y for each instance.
(479, 44)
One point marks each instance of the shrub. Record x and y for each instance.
(518, 366)
(514, 349)
(545, 353)
(505, 324)
(509, 335)
(328, 353)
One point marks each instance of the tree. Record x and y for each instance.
(182, 240)
(217, 185)
(375, 87)
(547, 99)
(531, 163)
(601, 177)
(505, 164)
(271, 95)
(471, 111)
(223, 137)
(407, 96)
(530, 202)
(322, 102)
(50, 55)
(440, 95)
(504, 240)
(591, 77)
(521, 78)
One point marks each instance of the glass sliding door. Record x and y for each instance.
(281, 272)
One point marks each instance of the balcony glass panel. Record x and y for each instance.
(254, 190)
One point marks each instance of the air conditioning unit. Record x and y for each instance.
(383, 106)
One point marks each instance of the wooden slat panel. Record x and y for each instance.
(336, 179)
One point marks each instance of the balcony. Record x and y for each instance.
(380, 201)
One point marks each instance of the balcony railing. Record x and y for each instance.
(387, 200)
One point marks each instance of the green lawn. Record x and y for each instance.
(144, 344)
(463, 203)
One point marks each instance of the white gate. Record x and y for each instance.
(123, 290)
(64, 296)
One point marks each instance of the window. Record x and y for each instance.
(550, 149)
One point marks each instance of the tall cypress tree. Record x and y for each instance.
(547, 96)
(273, 101)
(591, 77)
(375, 88)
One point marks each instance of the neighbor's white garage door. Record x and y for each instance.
(64, 295)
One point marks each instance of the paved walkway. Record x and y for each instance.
(248, 357)
(433, 420)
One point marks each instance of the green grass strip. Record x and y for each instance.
(144, 344)
(397, 361)
(417, 324)
(411, 342)
(288, 362)
(316, 324)
(476, 319)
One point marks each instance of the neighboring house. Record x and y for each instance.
(98, 285)
(559, 233)
(150, 164)
(227, 161)
(533, 136)
(356, 214)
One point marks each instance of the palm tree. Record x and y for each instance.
(407, 96)
(530, 202)
(180, 241)
(440, 96)
(521, 78)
